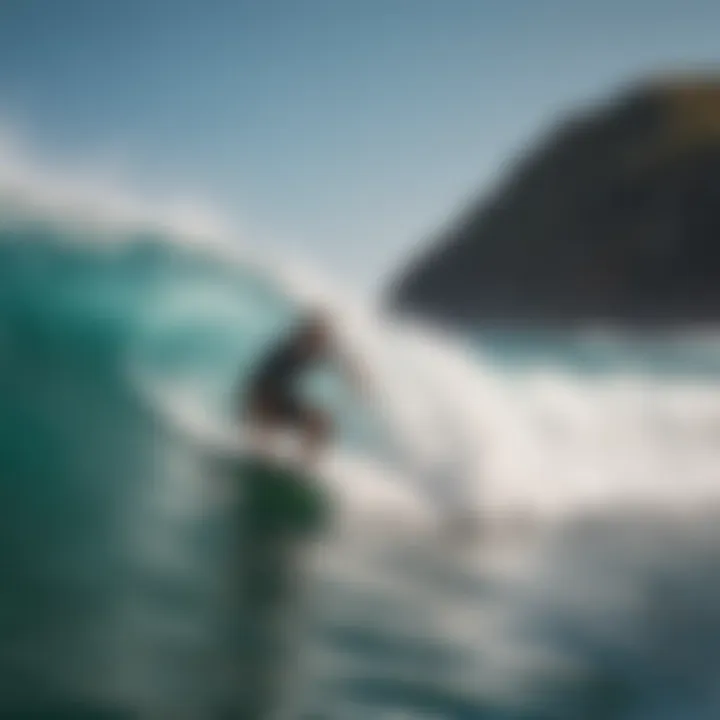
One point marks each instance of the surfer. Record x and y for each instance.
(274, 400)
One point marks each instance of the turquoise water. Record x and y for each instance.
(123, 579)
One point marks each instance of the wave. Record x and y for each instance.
(187, 312)
(108, 319)
(109, 516)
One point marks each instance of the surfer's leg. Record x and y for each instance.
(316, 428)
(260, 422)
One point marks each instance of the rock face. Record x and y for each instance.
(615, 219)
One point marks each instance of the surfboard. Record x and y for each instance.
(278, 497)
(278, 493)
(341, 481)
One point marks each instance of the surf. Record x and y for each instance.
(122, 337)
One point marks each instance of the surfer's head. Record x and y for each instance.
(315, 331)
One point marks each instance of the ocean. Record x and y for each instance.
(589, 589)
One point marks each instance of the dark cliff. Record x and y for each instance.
(614, 219)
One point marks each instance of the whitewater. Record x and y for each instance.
(590, 591)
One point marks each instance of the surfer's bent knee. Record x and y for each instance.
(318, 424)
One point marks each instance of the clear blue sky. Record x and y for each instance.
(344, 129)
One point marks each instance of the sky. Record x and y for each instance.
(344, 132)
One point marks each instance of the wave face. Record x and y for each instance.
(602, 602)
(100, 507)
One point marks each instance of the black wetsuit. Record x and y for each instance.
(273, 388)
